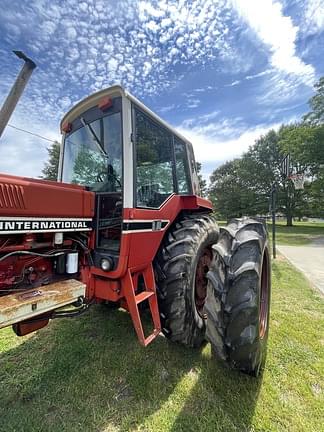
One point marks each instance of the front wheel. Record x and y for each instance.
(238, 295)
(181, 266)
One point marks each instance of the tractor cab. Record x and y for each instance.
(131, 159)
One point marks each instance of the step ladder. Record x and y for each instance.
(134, 299)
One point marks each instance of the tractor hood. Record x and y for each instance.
(26, 197)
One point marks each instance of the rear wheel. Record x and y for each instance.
(238, 298)
(181, 266)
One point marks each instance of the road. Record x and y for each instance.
(308, 259)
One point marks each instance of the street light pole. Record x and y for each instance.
(273, 216)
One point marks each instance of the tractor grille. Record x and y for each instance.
(12, 196)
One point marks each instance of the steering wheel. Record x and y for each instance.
(108, 175)
(100, 177)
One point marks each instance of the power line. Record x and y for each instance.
(32, 133)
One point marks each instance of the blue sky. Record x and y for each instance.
(221, 71)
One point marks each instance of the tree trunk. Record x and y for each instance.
(289, 219)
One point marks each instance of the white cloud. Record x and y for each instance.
(93, 39)
(193, 103)
(83, 6)
(234, 83)
(215, 127)
(147, 68)
(84, 46)
(180, 41)
(216, 140)
(71, 33)
(278, 32)
(258, 75)
(282, 88)
(147, 9)
(313, 16)
(215, 150)
(151, 25)
(23, 154)
(166, 22)
(167, 108)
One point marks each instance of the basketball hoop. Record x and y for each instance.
(298, 180)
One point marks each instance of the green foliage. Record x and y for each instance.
(316, 103)
(242, 186)
(156, 176)
(88, 166)
(202, 182)
(227, 190)
(50, 169)
(304, 143)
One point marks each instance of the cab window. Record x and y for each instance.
(182, 167)
(154, 162)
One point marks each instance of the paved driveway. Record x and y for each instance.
(308, 259)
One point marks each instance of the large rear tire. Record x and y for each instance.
(181, 266)
(238, 296)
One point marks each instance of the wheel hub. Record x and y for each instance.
(201, 280)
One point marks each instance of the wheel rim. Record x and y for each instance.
(201, 280)
(264, 296)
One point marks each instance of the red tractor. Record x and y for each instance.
(125, 224)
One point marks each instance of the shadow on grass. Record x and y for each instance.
(91, 374)
(222, 400)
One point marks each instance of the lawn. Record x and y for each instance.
(90, 374)
(302, 233)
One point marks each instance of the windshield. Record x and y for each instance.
(93, 155)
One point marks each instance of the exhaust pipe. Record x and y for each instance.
(16, 90)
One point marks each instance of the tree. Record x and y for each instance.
(88, 166)
(304, 143)
(202, 181)
(227, 191)
(316, 103)
(50, 170)
(242, 187)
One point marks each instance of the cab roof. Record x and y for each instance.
(113, 91)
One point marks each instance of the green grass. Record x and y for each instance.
(302, 233)
(90, 374)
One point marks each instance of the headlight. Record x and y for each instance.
(106, 264)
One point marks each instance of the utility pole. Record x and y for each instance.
(273, 216)
(16, 90)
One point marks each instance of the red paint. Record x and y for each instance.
(43, 198)
(24, 197)
(105, 103)
(66, 127)
(25, 327)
